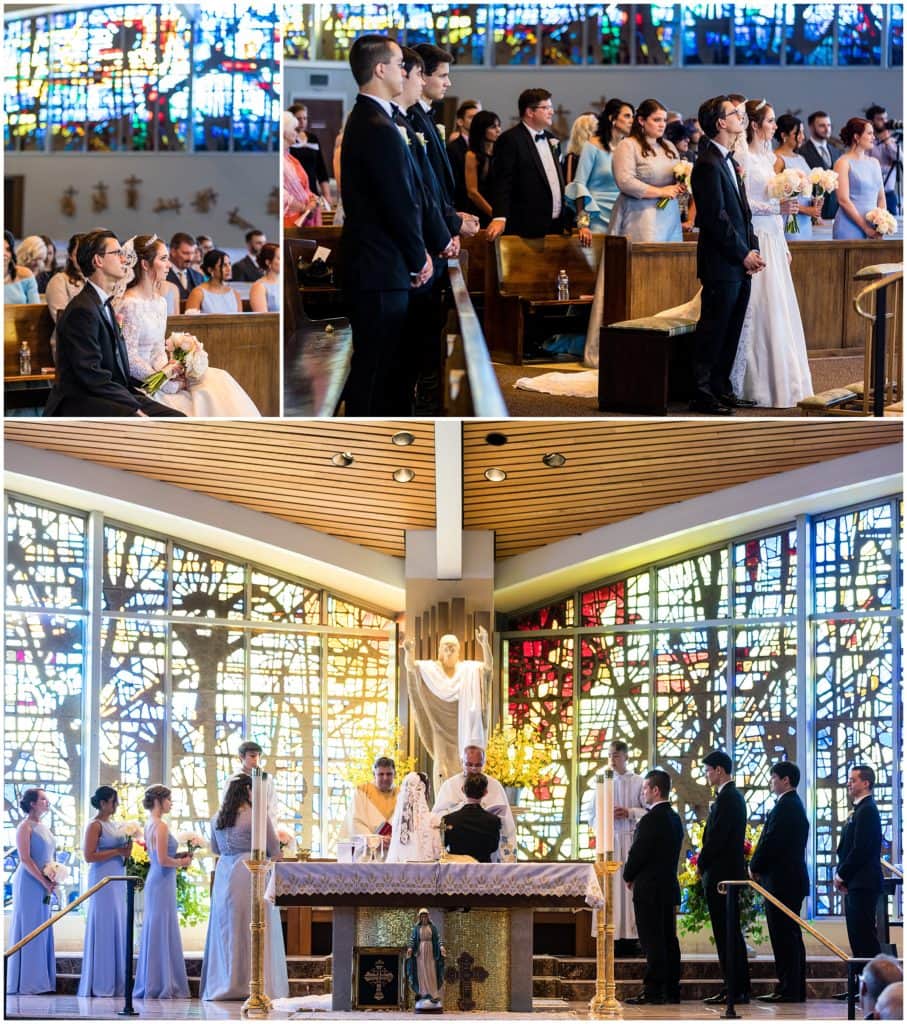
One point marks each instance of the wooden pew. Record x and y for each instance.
(521, 284)
(321, 300)
(30, 322)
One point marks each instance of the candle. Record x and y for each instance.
(599, 815)
(258, 803)
(609, 812)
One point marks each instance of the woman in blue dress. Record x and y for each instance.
(33, 969)
(860, 187)
(789, 133)
(227, 960)
(105, 848)
(215, 295)
(19, 284)
(643, 166)
(264, 295)
(161, 972)
(593, 191)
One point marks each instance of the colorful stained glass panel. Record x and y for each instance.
(707, 33)
(758, 33)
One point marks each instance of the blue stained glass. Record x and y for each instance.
(896, 35)
(516, 33)
(707, 33)
(860, 33)
(655, 28)
(758, 33)
(809, 34)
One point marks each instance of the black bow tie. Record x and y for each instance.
(395, 110)
(539, 137)
(729, 156)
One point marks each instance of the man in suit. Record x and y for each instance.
(473, 830)
(721, 858)
(818, 151)
(384, 252)
(527, 184)
(727, 254)
(92, 377)
(182, 273)
(651, 873)
(247, 269)
(779, 864)
(859, 874)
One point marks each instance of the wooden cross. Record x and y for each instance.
(99, 197)
(132, 192)
(466, 973)
(379, 976)
(599, 104)
(68, 202)
(204, 200)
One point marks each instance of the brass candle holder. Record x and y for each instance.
(604, 1004)
(258, 1004)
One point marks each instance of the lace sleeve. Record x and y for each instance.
(140, 364)
(624, 167)
(757, 177)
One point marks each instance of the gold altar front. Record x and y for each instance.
(484, 934)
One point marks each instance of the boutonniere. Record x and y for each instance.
(120, 319)
(421, 137)
(554, 143)
(442, 131)
(741, 173)
(404, 134)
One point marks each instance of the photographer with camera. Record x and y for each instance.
(887, 150)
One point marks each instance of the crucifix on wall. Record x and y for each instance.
(466, 972)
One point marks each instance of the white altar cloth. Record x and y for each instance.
(538, 880)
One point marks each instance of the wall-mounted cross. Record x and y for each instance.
(466, 972)
(379, 976)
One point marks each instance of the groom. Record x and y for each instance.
(727, 255)
(92, 363)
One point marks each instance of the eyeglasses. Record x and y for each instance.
(544, 106)
(739, 111)
(115, 252)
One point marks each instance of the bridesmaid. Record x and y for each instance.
(106, 850)
(33, 969)
(161, 973)
(225, 967)
(789, 134)
(860, 187)
(593, 190)
(215, 295)
(264, 295)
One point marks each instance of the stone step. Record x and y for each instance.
(583, 968)
(695, 990)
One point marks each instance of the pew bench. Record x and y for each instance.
(30, 322)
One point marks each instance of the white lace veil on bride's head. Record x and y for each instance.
(412, 836)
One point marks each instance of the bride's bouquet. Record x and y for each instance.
(188, 359)
(682, 171)
(882, 221)
(823, 181)
(786, 185)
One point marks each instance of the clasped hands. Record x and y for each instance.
(753, 262)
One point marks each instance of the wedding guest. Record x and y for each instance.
(215, 295)
(264, 295)
(106, 849)
(161, 971)
(860, 187)
(205, 243)
(887, 150)
(33, 969)
(458, 146)
(789, 133)
(583, 129)
(466, 111)
(694, 133)
(300, 204)
(19, 284)
(820, 151)
(308, 152)
(32, 254)
(63, 287)
(226, 965)
(593, 190)
(50, 264)
(484, 132)
(643, 167)
(181, 273)
(248, 269)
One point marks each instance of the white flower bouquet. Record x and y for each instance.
(129, 829)
(193, 841)
(786, 185)
(188, 359)
(287, 841)
(55, 872)
(683, 169)
(882, 221)
(823, 181)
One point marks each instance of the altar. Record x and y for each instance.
(483, 912)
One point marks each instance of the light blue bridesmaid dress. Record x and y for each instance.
(804, 221)
(161, 973)
(594, 182)
(104, 959)
(227, 961)
(272, 291)
(865, 178)
(34, 968)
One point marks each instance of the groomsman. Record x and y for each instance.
(727, 255)
(859, 874)
(721, 858)
(779, 864)
(651, 874)
(527, 184)
(384, 252)
(818, 151)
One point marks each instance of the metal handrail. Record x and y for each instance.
(878, 343)
(897, 872)
(882, 282)
(130, 880)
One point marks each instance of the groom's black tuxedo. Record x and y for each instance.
(726, 237)
(93, 367)
(519, 185)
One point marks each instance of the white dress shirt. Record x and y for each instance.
(543, 145)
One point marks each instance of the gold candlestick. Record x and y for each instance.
(604, 1003)
(258, 1004)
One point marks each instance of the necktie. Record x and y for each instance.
(184, 279)
(540, 137)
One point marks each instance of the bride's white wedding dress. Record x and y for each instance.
(771, 367)
(144, 324)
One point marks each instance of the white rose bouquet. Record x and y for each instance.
(129, 829)
(55, 872)
(823, 181)
(683, 169)
(193, 840)
(786, 185)
(188, 360)
(882, 221)
(287, 841)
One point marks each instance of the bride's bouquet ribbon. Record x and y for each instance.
(188, 359)
(786, 185)
(682, 171)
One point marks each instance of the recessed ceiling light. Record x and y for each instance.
(343, 459)
(404, 475)
(496, 439)
(495, 475)
(402, 438)
(554, 459)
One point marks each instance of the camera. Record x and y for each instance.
(894, 126)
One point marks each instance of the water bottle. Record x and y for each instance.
(24, 358)
(563, 286)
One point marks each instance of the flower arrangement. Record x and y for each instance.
(518, 757)
(882, 221)
(188, 360)
(694, 910)
(287, 841)
(786, 185)
(194, 841)
(55, 872)
(823, 181)
(386, 740)
(138, 863)
(683, 169)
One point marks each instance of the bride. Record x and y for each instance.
(414, 837)
(771, 368)
(142, 313)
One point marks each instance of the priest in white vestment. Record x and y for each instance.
(373, 803)
(629, 807)
(451, 798)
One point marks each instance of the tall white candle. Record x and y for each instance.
(599, 816)
(609, 812)
(257, 804)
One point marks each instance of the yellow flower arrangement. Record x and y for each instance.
(385, 741)
(517, 757)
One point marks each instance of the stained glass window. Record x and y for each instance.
(299, 31)
(552, 616)
(461, 29)
(563, 33)
(810, 34)
(853, 561)
(26, 52)
(707, 33)
(623, 603)
(135, 571)
(516, 34)
(860, 33)
(896, 35)
(758, 33)
(45, 556)
(765, 575)
(656, 31)
(693, 589)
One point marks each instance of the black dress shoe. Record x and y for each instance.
(713, 408)
(737, 403)
(645, 1000)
